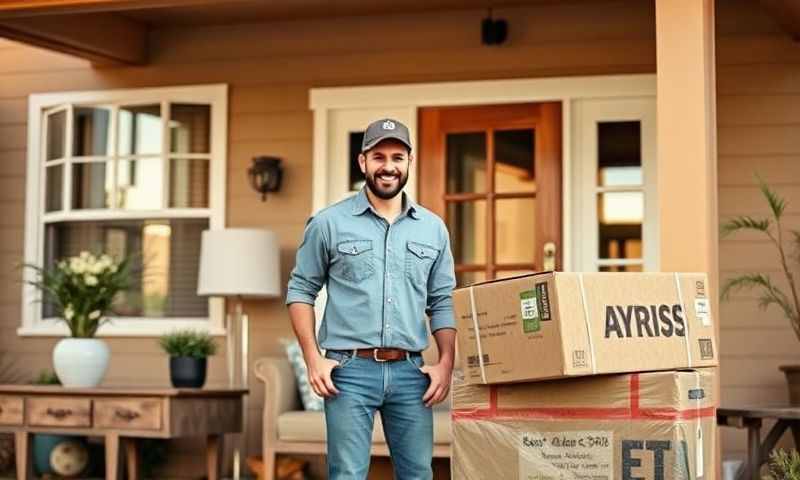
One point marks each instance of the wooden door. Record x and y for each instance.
(494, 174)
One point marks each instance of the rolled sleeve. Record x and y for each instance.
(311, 264)
(441, 283)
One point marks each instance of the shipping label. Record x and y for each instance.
(566, 455)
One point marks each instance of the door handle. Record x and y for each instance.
(549, 262)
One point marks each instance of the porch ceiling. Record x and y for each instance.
(115, 31)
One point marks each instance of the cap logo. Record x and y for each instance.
(388, 125)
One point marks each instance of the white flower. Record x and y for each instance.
(96, 268)
(90, 280)
(94, 315)
(112, 268)
(68, 312)
(85, 254)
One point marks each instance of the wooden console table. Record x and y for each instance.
(120, 414)
(787, 418)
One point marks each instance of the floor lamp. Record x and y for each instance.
(239, 263)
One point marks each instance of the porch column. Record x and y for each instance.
(687, 157)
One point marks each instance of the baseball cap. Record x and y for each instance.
(384, 129)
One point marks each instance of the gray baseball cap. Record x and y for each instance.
(384, 129)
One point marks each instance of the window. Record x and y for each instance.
(616, 167)
(128, 172)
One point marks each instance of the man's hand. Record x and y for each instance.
(319, 375)
(440, 375)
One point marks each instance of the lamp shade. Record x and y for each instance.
(239, 261)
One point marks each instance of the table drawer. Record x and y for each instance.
(128, 414)
(59, 411)
(11, 410)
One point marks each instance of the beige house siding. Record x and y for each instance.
(270, 68)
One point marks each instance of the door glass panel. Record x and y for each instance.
(140, 130)
(465, 279)
(140, 184)
(54, 188)
(91, 185)
(190, 128)
(356, 177)
(619, 158)
(188, 183)
(90, 131)
(466, 162)
(621, 268)
(512, 273)
(620, 216)
(515, 230)
(514, 161)
(466, 222)
(56, 135)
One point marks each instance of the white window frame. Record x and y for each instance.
(332, 104)
(215, 95)
(587, 114)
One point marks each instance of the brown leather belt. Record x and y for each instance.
(384, 354)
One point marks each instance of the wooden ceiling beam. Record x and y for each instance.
(787, 14)
(102, 38)
(28, 8)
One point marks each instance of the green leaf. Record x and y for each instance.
(776, 203)
(744, 223)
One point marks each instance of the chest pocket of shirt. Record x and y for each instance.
(356, 259)
(419, 259)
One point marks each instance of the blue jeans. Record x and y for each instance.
(394, 389)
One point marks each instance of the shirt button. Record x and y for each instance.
(389, 300)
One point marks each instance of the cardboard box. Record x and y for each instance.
(653, 426)
(554, 324)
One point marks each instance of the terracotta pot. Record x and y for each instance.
(792, 373)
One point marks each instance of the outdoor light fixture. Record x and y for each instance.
(265, 175)
(493, 32)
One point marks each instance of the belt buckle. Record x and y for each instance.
(375, 356)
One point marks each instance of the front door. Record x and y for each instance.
(494, 174)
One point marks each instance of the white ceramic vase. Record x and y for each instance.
(81, 362)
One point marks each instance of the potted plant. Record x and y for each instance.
(188, 351)
(784, 465)
(82, 289)
(770, 293)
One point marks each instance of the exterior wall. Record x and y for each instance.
(758, 118)
(270, 68)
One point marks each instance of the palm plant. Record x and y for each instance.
(772, 228)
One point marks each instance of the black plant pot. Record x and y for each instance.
(187, 372)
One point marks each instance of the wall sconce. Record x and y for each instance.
(265, 175)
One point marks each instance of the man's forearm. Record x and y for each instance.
(446, 341)
(302, 316)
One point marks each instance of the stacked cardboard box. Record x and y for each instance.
(643, 407)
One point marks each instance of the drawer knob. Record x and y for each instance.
(126, 414)
(59, 413)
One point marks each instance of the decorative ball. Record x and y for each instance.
(69, 458)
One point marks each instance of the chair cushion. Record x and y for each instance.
(305, 426)
(310, 400)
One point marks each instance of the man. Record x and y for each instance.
(386, 262)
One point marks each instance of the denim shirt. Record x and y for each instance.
(381, 279)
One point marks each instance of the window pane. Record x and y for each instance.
(54, 188)
(190, 128)
(140, 130)
(514, 161)
(620, 216)
(464, 279)
(164, 278)
(356, 177)
(140, 184)
(621, 268)
(188, 184)
(466, 222)
(466, 162)
(56, 135)
(515, 230)
(90, 131)
(619, 154)
(91, 185)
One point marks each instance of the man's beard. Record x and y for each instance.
(376, 189)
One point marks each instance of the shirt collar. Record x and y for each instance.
(361, 204)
